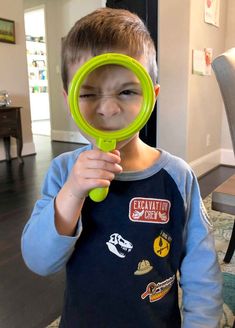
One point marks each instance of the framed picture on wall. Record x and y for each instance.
(212, 9)
(7, 30)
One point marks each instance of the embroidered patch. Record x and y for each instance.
(149, 210)
(143, 268)
(118, 245)
(156, 291)
(161, 244)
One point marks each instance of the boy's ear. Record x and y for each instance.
(65, 95)
(157, 90)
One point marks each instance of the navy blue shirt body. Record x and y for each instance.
(140, 222)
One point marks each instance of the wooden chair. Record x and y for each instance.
(223, 197)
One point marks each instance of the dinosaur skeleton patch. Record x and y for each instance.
(118, 245)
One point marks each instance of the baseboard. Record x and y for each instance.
(206, 163)
(28, 149)
(227, 157)
(68, 136)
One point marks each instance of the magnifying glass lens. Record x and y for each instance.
(110, 97)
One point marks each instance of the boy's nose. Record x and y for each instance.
(108, 106)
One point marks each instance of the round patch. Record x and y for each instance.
(161, 246)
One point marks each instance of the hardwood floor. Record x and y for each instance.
(28, 300)
(214, 178)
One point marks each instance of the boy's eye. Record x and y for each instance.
(88, 96)
(123, 95)
(129, 92)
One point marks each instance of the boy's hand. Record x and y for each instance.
(94, 168)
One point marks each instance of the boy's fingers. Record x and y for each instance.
(100, 174)
(116, 152)
(113, 157)
(105, 166)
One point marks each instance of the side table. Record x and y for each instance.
(10, 126)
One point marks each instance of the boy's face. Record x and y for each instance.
(110, 98)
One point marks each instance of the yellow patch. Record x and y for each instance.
(162, 245)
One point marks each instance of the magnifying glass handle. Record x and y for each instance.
(98, 194)
(106, 145)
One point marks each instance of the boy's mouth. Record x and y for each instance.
(108, 129)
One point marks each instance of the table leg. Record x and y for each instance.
(231, 246)
(7, 143)
(19, 144)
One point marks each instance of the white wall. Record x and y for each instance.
(190, 106)
(173, 62)
(204, 108)
(13, 73)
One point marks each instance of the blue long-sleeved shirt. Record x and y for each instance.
(122, 263)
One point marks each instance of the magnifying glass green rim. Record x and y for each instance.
(146, 108)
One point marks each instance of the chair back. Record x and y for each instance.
(224, 68)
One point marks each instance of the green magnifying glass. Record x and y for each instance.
(107, 140)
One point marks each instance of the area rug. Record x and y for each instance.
(223, 224)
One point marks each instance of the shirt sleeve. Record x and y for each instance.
(201, 278)
(44, 250)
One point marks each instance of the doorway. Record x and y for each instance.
(37, 70)
(148, 11)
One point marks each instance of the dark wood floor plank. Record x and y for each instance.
(26, 299)
(213, 179)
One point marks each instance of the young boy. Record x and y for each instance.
(122, 255)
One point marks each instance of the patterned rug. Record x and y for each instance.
(223, 224)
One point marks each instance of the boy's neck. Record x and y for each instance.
(137, 156)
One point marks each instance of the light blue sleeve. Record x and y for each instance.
(201, 278)
(200, 275)
(43, 249)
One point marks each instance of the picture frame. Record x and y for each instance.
(7, 30)
(212, 12)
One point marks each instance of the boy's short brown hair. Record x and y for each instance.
(107, 30)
